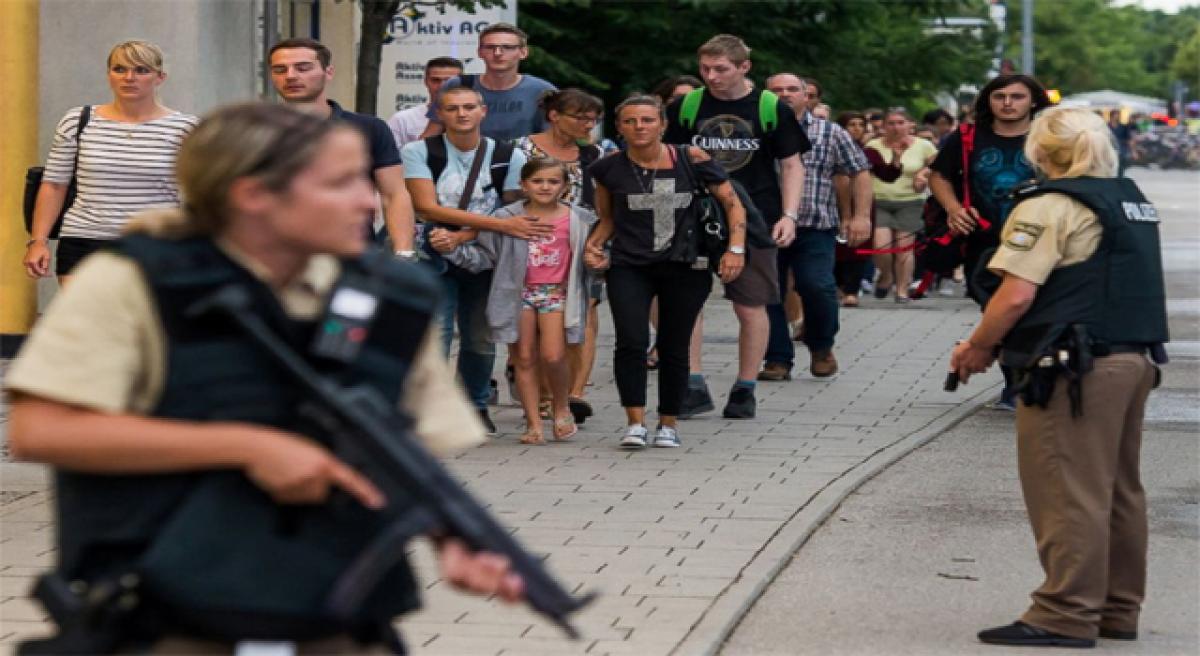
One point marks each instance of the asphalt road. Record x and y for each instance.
(938, 546)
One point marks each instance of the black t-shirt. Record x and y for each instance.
(997, 165)
(380, 142)
(731, 132)
(648, 208)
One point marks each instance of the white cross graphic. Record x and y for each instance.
(663, 201)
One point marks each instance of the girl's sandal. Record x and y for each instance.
(532, 437)
(564, 429)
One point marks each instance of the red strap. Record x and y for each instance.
(967, 132)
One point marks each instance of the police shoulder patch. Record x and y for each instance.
(1024, 235)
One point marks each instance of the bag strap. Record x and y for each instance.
(469, 188)
(966, 132)
(680, 153)
(435, 156)
(501, 159)
(85, 115)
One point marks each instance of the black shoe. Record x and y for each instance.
(493, 392)
(488, 425)
(1117, 634)
(1021, 634)
(696, 401)
(741, 403)
(580, 409)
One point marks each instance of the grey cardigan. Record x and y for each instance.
(508, 256)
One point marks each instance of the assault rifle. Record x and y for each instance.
(368, 432)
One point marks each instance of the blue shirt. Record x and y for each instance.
(485, 199)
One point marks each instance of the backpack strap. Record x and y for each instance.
(502, 153)
(690, 107)
(768, 111)
(966, 132)
(435, 157)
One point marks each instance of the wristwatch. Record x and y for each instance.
(794, 216)
(737, 250)
(406, 255)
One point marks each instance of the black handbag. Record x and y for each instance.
(712, 226)
(33, 181)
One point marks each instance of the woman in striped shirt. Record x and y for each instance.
(126, 162)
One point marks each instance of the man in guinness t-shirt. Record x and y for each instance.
(729, 125)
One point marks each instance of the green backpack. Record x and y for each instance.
(768, 111)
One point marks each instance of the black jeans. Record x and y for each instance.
(849, 275)
(681, 292)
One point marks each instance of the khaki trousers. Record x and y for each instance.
(1082, 486)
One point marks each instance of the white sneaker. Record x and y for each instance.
(635, 437)
(666, 437)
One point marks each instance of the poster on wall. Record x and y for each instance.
(413, 41)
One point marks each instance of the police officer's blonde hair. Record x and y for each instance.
(138, 53)
(1069, 142)
(272, 143)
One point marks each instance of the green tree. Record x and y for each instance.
(1186, 64)
(867, 52)
(1087, 45)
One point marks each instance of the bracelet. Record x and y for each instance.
(406, 254)
(737, 250)
(31, 242)
(794, 216)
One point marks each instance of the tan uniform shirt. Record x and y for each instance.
(1045, 233)
(101, 346)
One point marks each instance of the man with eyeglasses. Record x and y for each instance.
(300, 69)
(511, 97)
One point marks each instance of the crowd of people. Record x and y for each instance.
(500, 191)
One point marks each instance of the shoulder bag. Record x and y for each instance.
(33, 181)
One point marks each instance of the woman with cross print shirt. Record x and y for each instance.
(642, 199)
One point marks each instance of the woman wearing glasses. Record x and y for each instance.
(123, 162)
(570, 116)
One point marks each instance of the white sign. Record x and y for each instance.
(412, 42)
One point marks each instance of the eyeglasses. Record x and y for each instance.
(583, 118)
(499, 47)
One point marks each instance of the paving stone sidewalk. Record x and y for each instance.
(679, 541)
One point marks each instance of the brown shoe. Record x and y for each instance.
(775, 371)
(823, 364)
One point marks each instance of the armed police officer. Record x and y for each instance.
(1080, 308)
(153, 413)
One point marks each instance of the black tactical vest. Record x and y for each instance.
(1118, 293)
(110, 525)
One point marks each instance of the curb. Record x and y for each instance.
(709, 633)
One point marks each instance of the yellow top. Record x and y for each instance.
(101, 346)
(913, 160)
(1045, 233)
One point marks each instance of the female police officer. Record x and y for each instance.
(132, 398)
(1080, 306)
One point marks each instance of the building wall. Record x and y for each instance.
(209, 48)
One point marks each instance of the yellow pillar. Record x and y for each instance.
(18, 150)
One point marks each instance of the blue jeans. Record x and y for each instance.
(810, 259)
(464, 301)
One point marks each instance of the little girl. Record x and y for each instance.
(538, 299)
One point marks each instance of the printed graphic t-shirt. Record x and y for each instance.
(484, 198)
(731, 132)
(648, 206)
(550, 256)
(997, 165)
